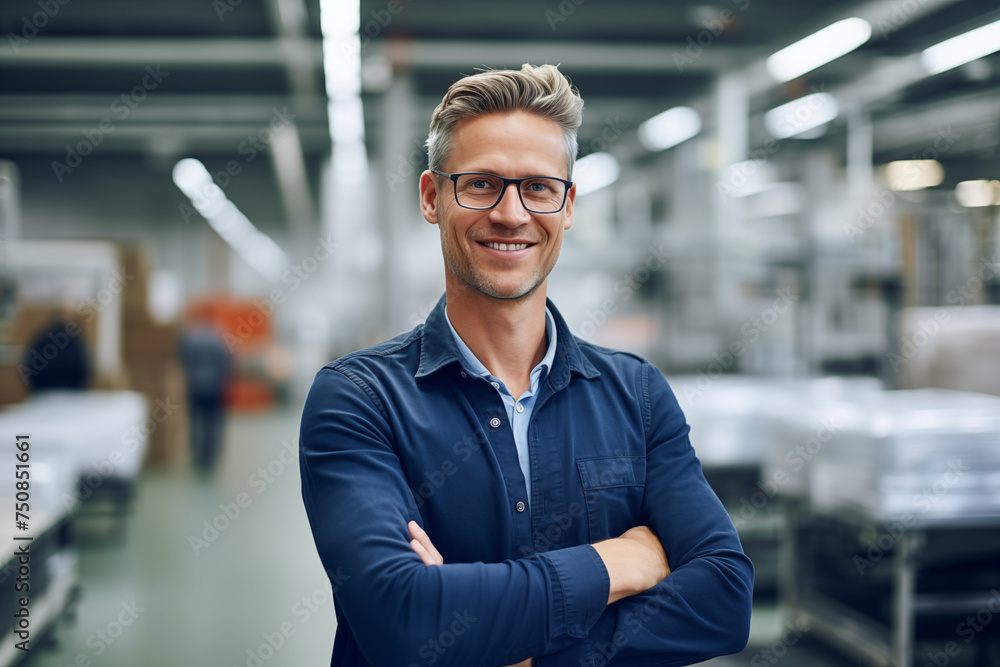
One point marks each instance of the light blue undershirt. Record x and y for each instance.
(518, 419)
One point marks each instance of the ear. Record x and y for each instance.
(429, 197)
(568, 211)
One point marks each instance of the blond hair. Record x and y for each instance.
(542, 90)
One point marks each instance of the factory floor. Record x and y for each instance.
(172, 592)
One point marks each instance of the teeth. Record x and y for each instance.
(504, 246)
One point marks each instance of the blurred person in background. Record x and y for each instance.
(489, 489)
(57, 358)
(207, 365)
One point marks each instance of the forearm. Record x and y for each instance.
(698, 612)
(359, 500)
(399, 610)
(635, 562)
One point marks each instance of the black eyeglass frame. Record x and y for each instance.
(506, 181)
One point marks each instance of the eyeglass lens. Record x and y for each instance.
(541, 195)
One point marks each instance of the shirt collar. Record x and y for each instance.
(438, 347)
(476, 367)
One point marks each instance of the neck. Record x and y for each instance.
(506, 335)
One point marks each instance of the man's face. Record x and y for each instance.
(513, 145)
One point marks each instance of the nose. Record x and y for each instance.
(509, 210)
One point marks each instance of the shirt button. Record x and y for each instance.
(463, 374)
(520, 408)
(496, 385)
(519, 506)
(495, 422)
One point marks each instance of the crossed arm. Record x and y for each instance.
(635, 562)
(699, 611)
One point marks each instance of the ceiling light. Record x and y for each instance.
(669, 128)
(962, 49)
(905, 175)
(978, 193)
(819, 48)
(595, 171)
(801, 115)
(256, 248)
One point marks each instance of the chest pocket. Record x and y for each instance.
(613, 488)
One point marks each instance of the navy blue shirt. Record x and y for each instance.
(399, 432)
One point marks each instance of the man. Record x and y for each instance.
(487, 489)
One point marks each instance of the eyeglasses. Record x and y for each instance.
(481, 191)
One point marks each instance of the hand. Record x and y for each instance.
(422, 545)
(635, 562)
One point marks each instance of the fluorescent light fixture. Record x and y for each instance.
(595, 171)
(256, 248)
(962, 49)
(669, 128)
(819, 48)
(340, 22)
(801, 115)
(907, 175)
(973, 194)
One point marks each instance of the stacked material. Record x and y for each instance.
(924, 456)
(85, 436)
(949, 347)
(802, 422)
(731, 416)
(916, 456)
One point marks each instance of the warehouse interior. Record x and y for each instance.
(804, 240)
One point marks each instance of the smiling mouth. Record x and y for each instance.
(506, 246)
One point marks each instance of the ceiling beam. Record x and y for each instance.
(197, 53)
(576, 56)
(189, 108)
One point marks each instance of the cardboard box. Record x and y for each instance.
(148, 342)
(163, 385)
(136, 267)
(12, 389)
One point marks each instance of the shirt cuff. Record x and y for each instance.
(581, 589)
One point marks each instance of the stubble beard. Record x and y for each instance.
(462, 268)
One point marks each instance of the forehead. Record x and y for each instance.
(516, 141)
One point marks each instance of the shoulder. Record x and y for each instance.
(371, 366)
(399, 347)
(364, 376)
(628, 369)
(606, 359)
